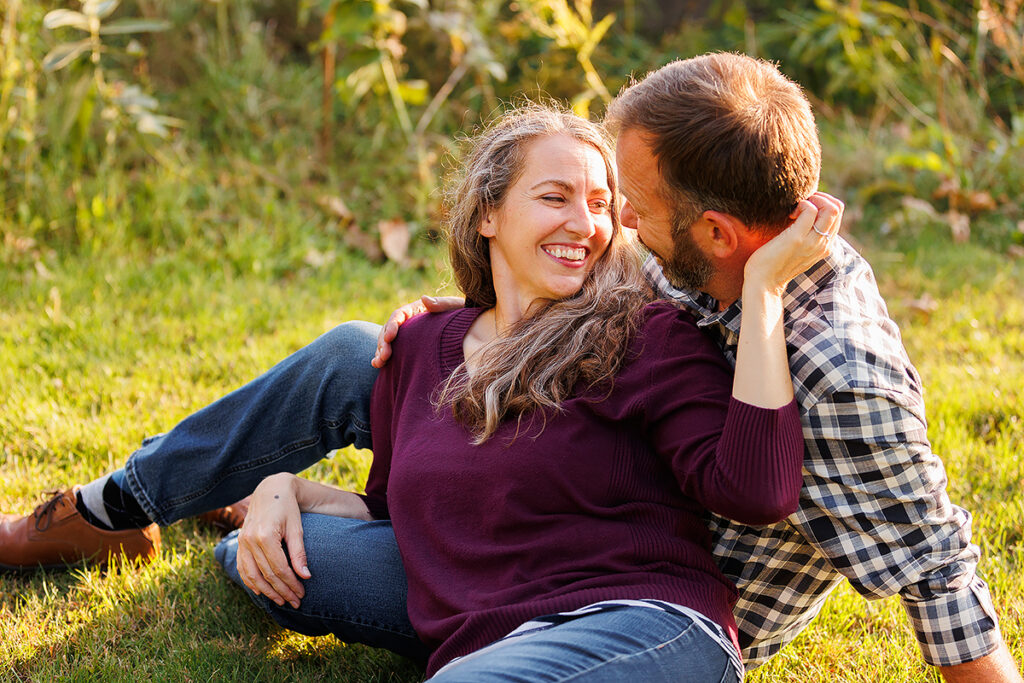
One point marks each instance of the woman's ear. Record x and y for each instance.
(486, 227)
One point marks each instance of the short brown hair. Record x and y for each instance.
(730, 134)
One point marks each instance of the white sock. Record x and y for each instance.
(92, 498)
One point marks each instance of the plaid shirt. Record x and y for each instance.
(874, 507)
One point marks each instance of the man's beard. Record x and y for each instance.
(688, 267)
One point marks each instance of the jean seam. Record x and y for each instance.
(137, 490)
(330, 617)
(622, 657)
(254, 464)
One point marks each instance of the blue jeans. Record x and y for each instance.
(357, 590)
(627, 644)
(314, 401)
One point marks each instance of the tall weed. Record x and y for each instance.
(938, 85)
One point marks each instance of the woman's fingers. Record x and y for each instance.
(253, 578)
(830, 213)
(273, 565)
(297, 550)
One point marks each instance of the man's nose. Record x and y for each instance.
(628, 216)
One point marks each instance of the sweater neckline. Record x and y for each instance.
(453, 334)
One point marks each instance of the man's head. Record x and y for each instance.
(720, 143)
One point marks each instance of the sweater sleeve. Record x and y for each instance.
(738, 460)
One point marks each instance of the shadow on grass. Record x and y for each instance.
(178, 618)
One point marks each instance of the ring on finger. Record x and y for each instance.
(823, 234)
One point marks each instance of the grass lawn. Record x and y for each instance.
(100, 348)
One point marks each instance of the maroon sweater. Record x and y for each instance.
(604, 503)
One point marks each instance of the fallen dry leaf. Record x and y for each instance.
(960, 224)
(919, 205)
(946, 188)
(318, 259)
(355, 238)
(338, 207)
(980, 201)
(394, 240)
(923, 306)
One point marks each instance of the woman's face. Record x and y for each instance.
(554, 224)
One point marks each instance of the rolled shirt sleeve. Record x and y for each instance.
(875, 505)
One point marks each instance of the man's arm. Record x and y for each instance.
(875, 505)
(992, 668)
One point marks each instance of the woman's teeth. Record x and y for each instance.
(568, 253)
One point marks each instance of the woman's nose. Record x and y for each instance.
(582, 222)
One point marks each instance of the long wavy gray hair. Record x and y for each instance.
(565, 346)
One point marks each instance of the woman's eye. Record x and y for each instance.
(600, 205)
(553, 198)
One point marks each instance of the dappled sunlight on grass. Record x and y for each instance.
(137, 347)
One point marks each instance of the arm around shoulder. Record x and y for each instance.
(739, 460)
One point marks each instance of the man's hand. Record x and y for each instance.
(426, 304)
(271, 525)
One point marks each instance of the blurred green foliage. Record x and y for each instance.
(363, 99)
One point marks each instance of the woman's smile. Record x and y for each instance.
(570, 255)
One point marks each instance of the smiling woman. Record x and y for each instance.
(551, 228)
(534, 238)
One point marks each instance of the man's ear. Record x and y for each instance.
(720, 234)
(486, 227)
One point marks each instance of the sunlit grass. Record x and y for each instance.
(104, 346)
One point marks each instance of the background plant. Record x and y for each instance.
(143, 276)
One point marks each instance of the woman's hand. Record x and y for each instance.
(272, 524)
(762, 376)
(426, 304)
(798, 247)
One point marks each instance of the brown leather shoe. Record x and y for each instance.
(55, 535)
(228, 518)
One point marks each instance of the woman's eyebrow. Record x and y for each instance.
(564, 185)
(568, 187)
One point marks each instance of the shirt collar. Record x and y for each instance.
(705, 307)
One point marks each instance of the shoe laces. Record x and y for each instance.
(47, 509)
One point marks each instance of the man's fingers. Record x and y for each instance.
(390, 330)
(397, 318)
(426, 304)
(440, 304)
(381, 357)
